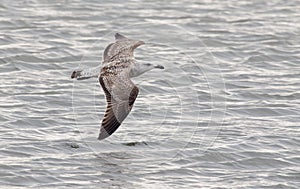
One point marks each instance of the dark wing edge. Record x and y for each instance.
(119, 36)
(116, 112)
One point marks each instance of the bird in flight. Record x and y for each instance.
(118, 67)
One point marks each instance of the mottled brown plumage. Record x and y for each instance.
(114, 78)
(118, 67)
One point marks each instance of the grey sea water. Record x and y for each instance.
(223, 114)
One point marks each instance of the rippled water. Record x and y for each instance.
(223, 114)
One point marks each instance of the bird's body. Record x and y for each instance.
(118, 67)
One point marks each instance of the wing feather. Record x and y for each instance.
(118, 105)
(122, 47)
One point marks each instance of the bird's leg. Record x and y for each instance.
(86, 73)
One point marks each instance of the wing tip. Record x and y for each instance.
(103, 134)
(107, 130)
(102, 137)
(119, 36)
(75, 74)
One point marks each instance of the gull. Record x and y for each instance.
(117, 69)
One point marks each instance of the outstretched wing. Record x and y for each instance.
(86, 73)
(122, 47)
(120, 98)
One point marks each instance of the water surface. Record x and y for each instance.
(223, 114)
